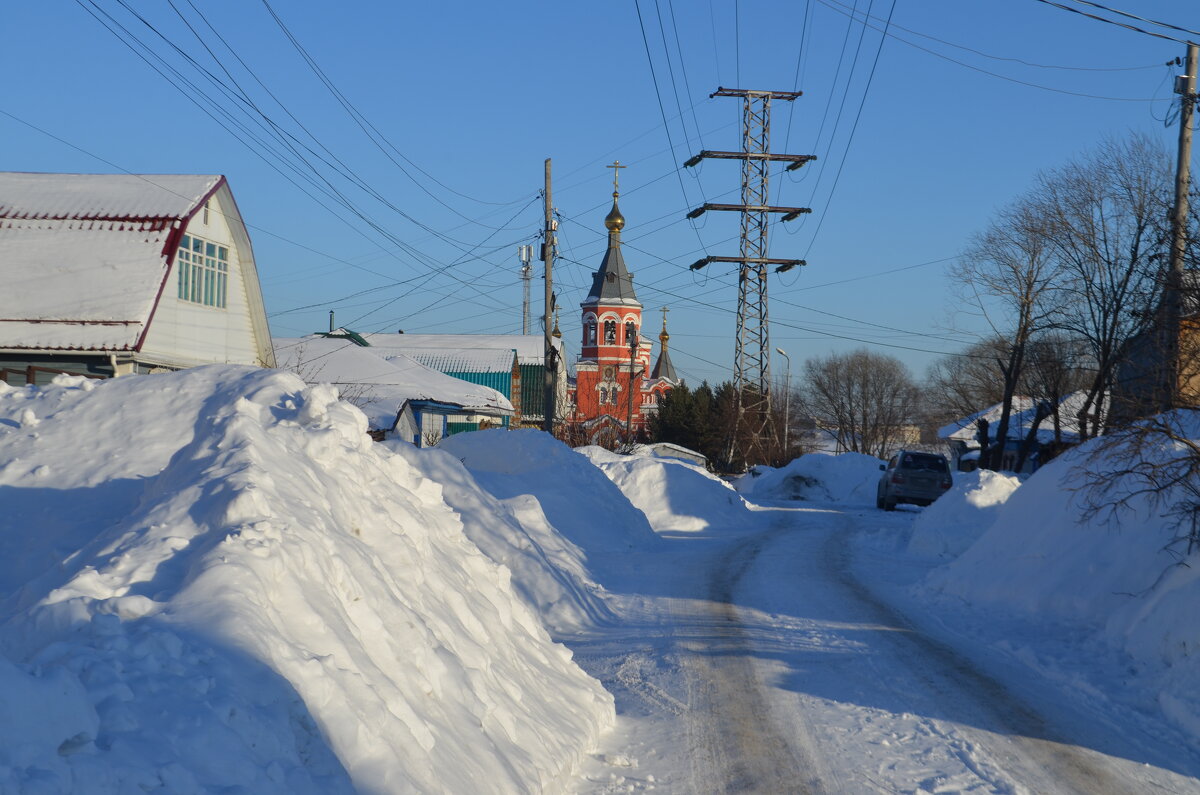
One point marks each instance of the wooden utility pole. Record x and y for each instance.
(550, 363)
(1185, 86)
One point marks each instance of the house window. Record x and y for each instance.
(203, 272)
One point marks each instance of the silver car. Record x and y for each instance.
(912, 477)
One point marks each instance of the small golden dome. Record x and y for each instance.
(614, 221)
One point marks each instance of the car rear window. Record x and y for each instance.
(933, 463)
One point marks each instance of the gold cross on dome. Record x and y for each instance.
(616, 164)
(665, 310)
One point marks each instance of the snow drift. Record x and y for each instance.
(960, 516)
(843, 478)
(213, 581)
(675, 495)
(552, 484)
(1129, 581)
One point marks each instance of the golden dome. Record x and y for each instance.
(614, 221)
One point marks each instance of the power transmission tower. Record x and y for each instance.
(754, 431)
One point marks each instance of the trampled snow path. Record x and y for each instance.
(756, 663)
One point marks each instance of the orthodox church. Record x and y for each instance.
(615, 390)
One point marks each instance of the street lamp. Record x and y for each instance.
(787, 401)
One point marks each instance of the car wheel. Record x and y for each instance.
(879, 502)
(889, 505)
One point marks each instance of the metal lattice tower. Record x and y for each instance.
(755, 430)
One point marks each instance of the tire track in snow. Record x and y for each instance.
(736, 746)
(1042, 756)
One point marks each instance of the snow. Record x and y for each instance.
(845, 478)
(583, 505)
(675, 495)
(960, 516)
(1019, 422)
(101, 196)
(211, 581)
(379, 386)
(238, 591)
(1120, 582)
(530, 348)
(75, 275)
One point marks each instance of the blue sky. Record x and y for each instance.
(459, 104)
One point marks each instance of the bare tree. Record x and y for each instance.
(866, 399)
(1104, 216)
(960, 385)
(1009, 275)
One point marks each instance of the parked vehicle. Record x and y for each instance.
(912, 477)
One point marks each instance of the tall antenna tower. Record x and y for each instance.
(525, 255)
(754, 431)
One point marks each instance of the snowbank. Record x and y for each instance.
(675, 495)
(1120, 581)
(554, 485)
(548, 571)
(960, 516)
(213, 581)
(844, 478)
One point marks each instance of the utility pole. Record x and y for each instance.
(525, 255)
(550, 363)
(1185, 85)
(754, 428)
(633, 346)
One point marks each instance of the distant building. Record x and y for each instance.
(399, 396)
(615, 390)
(110, 274)
(1147, 381)
(513, 364)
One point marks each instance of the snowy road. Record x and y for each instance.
(756, 662)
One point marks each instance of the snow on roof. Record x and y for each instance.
(387, 384)
(530, 348)
(102, 196)
(1022, 418)
(450, 360)
(82, 256)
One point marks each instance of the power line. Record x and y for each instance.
(1134, 16)
(662, 110)
(997, 75)
(831, 3)
(1122, 24)
(849, 141)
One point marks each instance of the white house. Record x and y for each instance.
(109, 274)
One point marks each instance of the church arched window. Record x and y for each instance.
(591, 333)
(630, 333)
(610, 332)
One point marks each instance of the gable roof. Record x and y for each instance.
(1020, 420)
(83, 257)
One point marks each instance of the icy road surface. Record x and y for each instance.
(754, 660)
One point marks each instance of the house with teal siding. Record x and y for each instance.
(513, 364)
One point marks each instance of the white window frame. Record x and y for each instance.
(203, 272)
